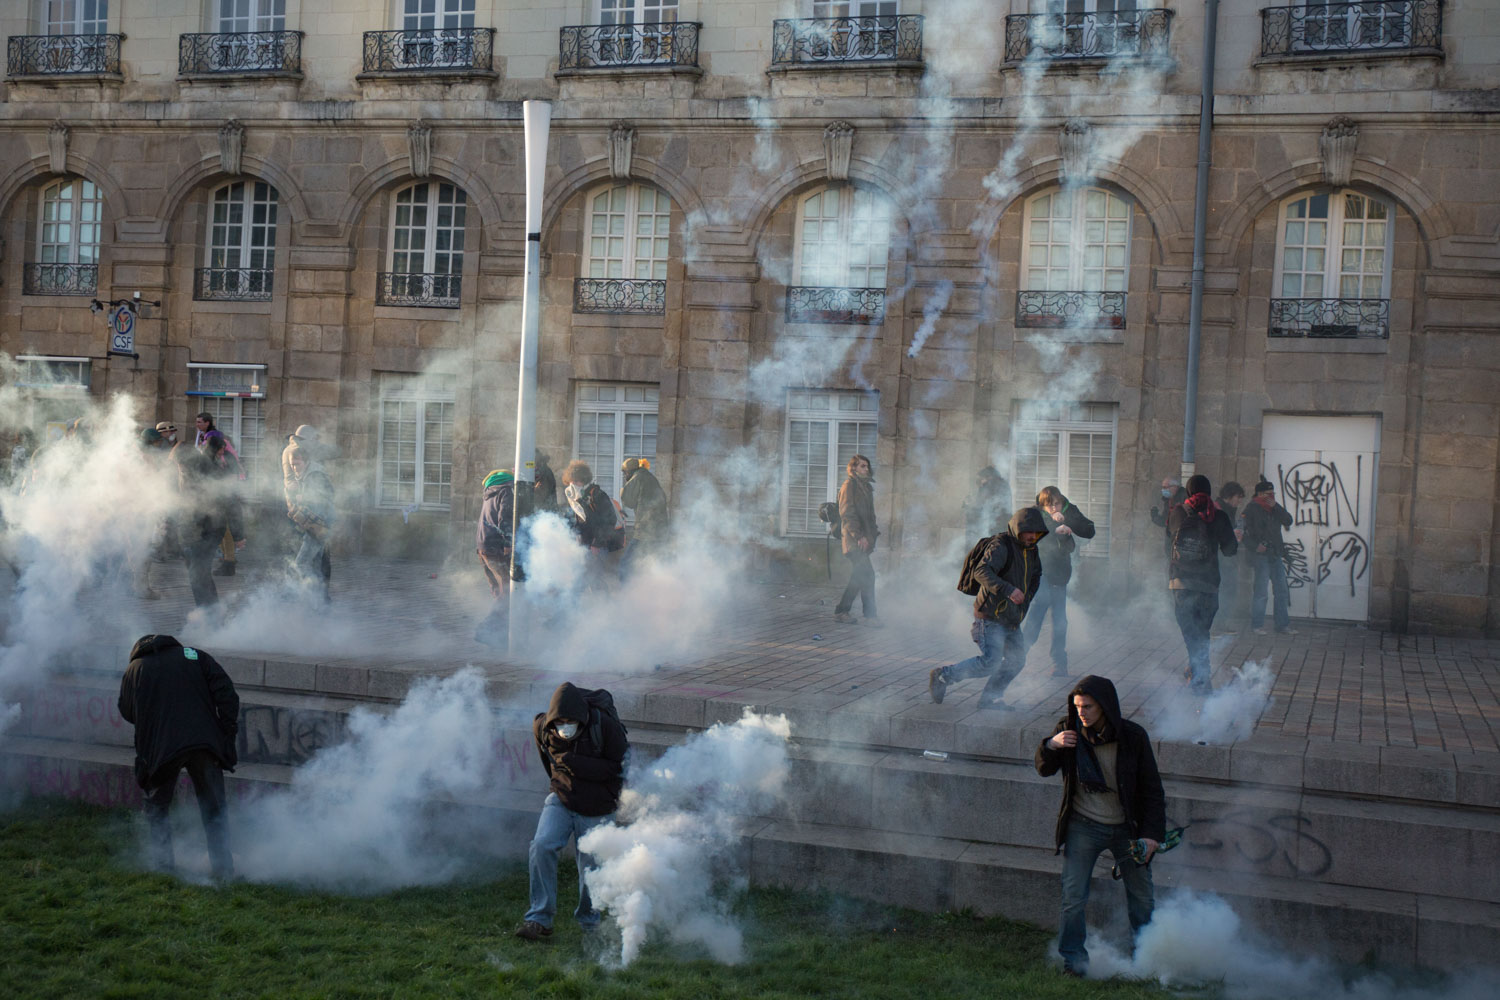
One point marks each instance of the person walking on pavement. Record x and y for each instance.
(1172, 494)
(1199, 532)
(496, 511)
(1056, 552)
(186, 715)
(642, 494)
(211, 511)
(582, 745)
(1264, 520)
(1008, 574)
(858, 532)
(1112, 796)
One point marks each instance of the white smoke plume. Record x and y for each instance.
(1226, 716)
(679, 819)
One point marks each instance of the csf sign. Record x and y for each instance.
(122, 330)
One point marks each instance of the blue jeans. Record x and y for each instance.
(1085, 841)
(554, 827)
(1002, 655)
(1195, 616)
(1052, 597)
(1268, 566)
(312, 566)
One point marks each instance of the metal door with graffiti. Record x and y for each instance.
(1324, 472)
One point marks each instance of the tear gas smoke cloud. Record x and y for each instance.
(1197, 939)
(1224, 717)
(931, 311)
(680, 820)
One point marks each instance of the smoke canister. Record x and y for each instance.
(934, 755)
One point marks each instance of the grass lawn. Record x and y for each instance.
(78, 920)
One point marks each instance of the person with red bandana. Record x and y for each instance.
(1199, 532)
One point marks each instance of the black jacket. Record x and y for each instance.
(586, 776)
(1160, 513)
(1009, 566)
(1138, 781)
(1056, 549)
(1263, 527)
(1201, 575)
(178, 699)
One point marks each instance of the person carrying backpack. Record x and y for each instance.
(1199, 531)
(1003, 573)
(582, 744)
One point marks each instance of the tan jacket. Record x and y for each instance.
(857, 514)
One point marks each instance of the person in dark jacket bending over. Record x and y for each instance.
(583, 752)
(1199, 531)
(186, 715)
(1056, 551)
(1008, 575)
(1112, 795)
(858, 530)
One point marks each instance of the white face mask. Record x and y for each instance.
(567, 730)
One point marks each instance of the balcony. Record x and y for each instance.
(240, 53)
(624, 296)
(825, 304)
(434, 291)
(59, 279)
(669, 45)
(231, 284)
(1037, 310)
(443, 51)
(1337, 319)
(1345, 28)
(1133, 34)
(63, 55)
(891, 40)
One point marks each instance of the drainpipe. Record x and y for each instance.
(1200, 229)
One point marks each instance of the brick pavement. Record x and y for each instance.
(1333, 682)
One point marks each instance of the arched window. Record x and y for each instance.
(626, 271)
(1076, 259)
(841, 256)
(68, 234)
(1332, 266)
(241, 253)
(426, 248)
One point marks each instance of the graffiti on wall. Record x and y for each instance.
(1279, 841)
(1318, 495)
(271, 734)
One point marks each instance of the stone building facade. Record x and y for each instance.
(953, 233)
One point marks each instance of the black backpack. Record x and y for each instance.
(601, 703)
(828, 513)
(968, 582)
(1193, 544)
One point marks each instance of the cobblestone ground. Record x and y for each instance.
(779, 647)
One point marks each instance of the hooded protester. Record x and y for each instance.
(1198, 532)
(494, 545)
(858, 531)
(582, 745)
(1264, 520)
(186, 715)
(1056, 552)
(310, 505)
(1112, 795)
(1008, 574)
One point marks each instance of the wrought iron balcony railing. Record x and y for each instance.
(428, 50)
(1070, 310)
(439, 291)
(59, 279)
(267, 52)
(886, 38)
(642, 296)
(1376, 26)
(1143, 34)
(602, 46)
(1334, 318)
(63, 55)
(823, 304)
(231, 284)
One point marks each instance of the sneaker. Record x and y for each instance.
(1286, 631)
(530, 930)
(845, 618)
(1069, 970)
(937, 684)
(874, 622)
(1259, 631)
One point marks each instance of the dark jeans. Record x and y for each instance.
(1270, 571)
(208, 785)
(1051, 597)
(1002, 655)
(1195, 616)
(313, 566)
(1084, 842)
(199, 553)
(861, 582)
(1229, 587)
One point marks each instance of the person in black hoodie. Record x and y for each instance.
(1112, 795)
(1199, 531)
(1008, 576)
(186, 715)
(583, 752)
(1056, 551)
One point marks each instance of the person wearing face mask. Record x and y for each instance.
(1172, 494)
(1200, 533)
(582, 744)
(1264, 520)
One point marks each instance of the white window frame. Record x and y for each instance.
(430, 229)
(627, 399)
(1315, 26)
(75, 17)
(841, 412)
(77, 201)
(1335, 247)
(1093, 495)
(855, 8)
(623, 12)
(852, 249)
(238, 247)
(1076, 233)
(629, 262)
(235, 395)
(432, 475)
(244, 16)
